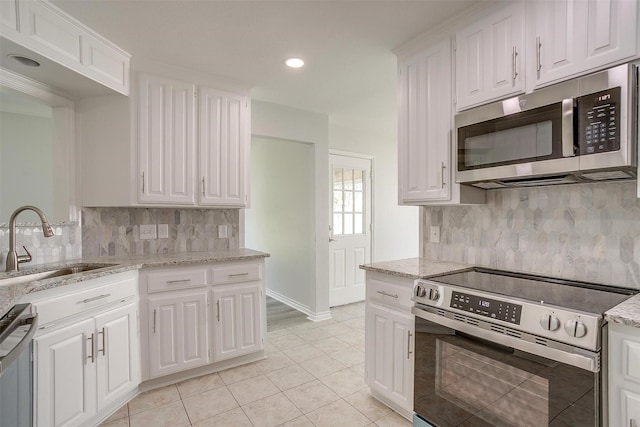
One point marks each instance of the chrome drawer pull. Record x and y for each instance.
(387, 294)
(237, 274)
(104, 343)
(172, 282)
(94, 298)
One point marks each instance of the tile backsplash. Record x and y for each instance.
(116, 231)
(582, 231)
(65, 245)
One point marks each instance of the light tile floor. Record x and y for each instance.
(313, 376)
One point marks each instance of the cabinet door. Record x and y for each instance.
(223, 147)
(8, 17)
(489, 54)
(576, 36)
(630, 409)
(237, 326)
(65, 371)
(424, 125)
(166, 141)
(389, 354)
(178, 334)
(118, 354)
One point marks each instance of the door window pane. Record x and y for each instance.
(348, 198)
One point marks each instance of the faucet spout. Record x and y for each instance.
(13, 260)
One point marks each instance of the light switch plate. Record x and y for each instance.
(434, 234)
(222, 232)
(163, 231)
(148, 232)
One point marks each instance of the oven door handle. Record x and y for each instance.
(586, 360)
(16, 351)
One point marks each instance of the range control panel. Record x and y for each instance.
(598, 121)
(501, 310)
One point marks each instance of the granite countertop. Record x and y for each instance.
(627, 313)
(415, 268)
(111, 265)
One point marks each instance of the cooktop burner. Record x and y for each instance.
(573, 295)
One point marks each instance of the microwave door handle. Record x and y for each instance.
(567, 128)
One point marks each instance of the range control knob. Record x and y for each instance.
(575, 328)
(420, 291)
(549, 322)
(433, 294)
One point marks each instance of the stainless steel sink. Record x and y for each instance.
(64, 271)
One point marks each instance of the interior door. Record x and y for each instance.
(350, 227)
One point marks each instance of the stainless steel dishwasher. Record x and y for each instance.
(17, 327)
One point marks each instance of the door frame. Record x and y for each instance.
(372, 180)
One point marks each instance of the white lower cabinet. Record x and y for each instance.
(624, 375)
(86, 357)
(199, 315)
(389, 342)
(178, 338)
(236, 329)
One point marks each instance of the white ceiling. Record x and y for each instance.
(347, 45)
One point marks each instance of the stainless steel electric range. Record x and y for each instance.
(496, 348)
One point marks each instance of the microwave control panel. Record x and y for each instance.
(598, 121)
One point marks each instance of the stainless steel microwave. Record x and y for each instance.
(577, 131)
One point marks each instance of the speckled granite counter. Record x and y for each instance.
(415, 268)
(627, 313)
(111, 265)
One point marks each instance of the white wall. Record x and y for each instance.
(26, 165)
(369, 127)
(281, 218)
(285, 123)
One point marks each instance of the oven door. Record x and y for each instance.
(462, 380)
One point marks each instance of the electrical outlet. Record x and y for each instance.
(148, 232)
(434, 234)
(163, 231)
(222, 232)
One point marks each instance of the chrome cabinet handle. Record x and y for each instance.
(218, 304)
(237, 274)
(171, 282)
(104, 343)
(632, 423)
(84, 301)
(409, 334)
(514, 62)
(155, 316)
(143, 182)
(444, 169)
(93, 354)
(386, 294)
(538, 46)
(203, 185)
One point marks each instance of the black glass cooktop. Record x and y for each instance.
(588, 297)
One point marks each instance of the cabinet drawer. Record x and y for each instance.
(99, 292)
(390, 293)
(235, 273)
(172, 278)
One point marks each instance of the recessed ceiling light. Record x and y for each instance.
(24, 60)
(294, 62)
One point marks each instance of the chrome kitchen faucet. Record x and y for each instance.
(13, 259)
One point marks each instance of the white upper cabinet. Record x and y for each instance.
(424, 131)
(572, 37)
(173, 143)
(38, 29)
(489, 57)
(223, 148)
(166, 141)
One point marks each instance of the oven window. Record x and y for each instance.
(462, 381)
(521, 137)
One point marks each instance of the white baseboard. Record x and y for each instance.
(314, 317)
